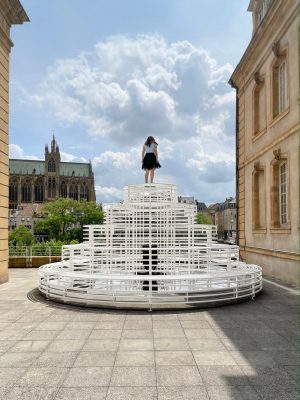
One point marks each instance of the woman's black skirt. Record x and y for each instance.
(149, 161)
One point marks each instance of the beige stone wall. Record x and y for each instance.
(276, 250)
(11, 12)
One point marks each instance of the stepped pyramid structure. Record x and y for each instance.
(150, 253)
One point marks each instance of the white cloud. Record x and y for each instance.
(128, 88)
(15, 151)
(135, 86)
(221, 100)
(67, 157)
(108, 193)
(213, 168)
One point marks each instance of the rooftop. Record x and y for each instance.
(53, 351)
(37, 167)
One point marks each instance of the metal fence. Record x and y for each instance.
(32, 251)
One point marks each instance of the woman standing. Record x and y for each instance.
(150, 158)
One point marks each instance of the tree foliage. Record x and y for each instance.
(203, 218)
(21, 236)
(63, 219)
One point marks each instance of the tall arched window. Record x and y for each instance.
(63, 191)
(280, 89)
(84, 193)
(39, 191)
(279, 191)
(26, 191)
(51, 188)
(73, 191)
(258, 197)
(51, 165)
(13, 191)
(259, 104)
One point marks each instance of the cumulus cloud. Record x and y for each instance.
(15, 151)
(213, 170)
(67, 157)
(132, 86)
(109, 193)
(127, 88)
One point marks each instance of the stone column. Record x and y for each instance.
(32, 198)
(11, 12)
(19, 191)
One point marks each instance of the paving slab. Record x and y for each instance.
(43, 376)
(133, 376)
(60, 360)
(88, 376)
(62, 346)
(171, 344)
(223, 375)
(18, 359)
(277, 392)
(101, 345)
(6, 345)
(182, 393)
(30, 393)
(178, 376)
(132, 393)
(109, 324)
(174, 358)
(135, 358)
(137, 334)
(106, 334)
(233, 393)
(74, 334)
(82, 393)
(9, 376)
(214, 358)
(95, 359)
(136, 344)
(29, 346)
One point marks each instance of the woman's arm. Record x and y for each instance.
(143, 153)
(156, 153)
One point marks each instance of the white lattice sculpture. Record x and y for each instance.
(150, 253)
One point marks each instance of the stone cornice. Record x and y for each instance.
(13, 12)
(5, 40)
(263, 36)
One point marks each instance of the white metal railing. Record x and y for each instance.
(150, 252)
(31, 251)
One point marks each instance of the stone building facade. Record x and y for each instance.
(225, 215)
(11, 12)
(267, 140)
(39, 181)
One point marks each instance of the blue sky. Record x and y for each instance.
(103, 75)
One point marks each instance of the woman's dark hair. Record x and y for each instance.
(150, 140)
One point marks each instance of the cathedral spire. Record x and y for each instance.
(53, 144)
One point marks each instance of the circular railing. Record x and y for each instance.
(129, 290)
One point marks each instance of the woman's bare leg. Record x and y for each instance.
(152, 175)
(146, 175)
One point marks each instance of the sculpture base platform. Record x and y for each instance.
(157, 292)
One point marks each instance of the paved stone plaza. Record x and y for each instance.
(52, 351)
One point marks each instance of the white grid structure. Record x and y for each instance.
(150, 253)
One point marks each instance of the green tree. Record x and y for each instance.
(203, 218)
(57, 218)
(21, 236)
(90, 213)
(63, 219)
